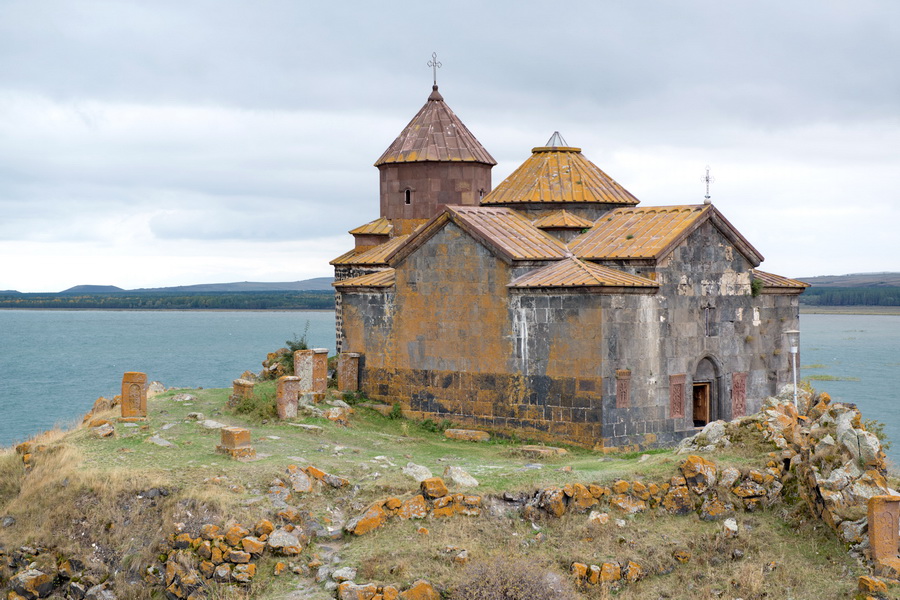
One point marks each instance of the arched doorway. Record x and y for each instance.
(705, 396)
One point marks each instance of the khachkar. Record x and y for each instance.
(134, 396)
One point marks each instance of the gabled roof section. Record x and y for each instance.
(379, 279)
(562, 219)
(371, 257)
(558, 174)
(380, 226)
(776, 284)
(573, 273)
(435, 134)
(509, 233)
(652, 232)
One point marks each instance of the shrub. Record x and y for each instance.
(396, 412)
(756, 286)
(260, 406)
(300, 342)
(877, 427)
(512, 579)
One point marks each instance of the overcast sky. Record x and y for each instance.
(147, 144)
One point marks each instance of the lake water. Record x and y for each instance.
(54, 364)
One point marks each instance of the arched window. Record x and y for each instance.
(407, 196)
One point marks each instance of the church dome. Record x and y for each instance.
(558, 173)
(435, 134)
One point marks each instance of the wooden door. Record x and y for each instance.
(701, 404)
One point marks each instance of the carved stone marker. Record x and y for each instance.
(348, 372)
(287, 394)
(884, 517)
(303, 369)
(134, 396)
(320, 370)
(241, 388)
(236, 443)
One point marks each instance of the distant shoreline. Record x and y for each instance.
(167, 310)
(849, 310)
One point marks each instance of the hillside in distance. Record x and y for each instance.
(317, 283)
(306, 285)
(884, 279)
(92, 289)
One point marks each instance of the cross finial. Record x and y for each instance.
(435, 65)
(708, 179)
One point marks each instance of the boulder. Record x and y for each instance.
(284, 542)
(729, 476)
(301, 483)
(158, 441)
(468, 435)
(372, 518)
(433, 487)
(628, 504)
(351, 591)
(414, 508)
(862, 445)
(32, 583)
(553, 500)
(730, 528)
(104, 431)
(417, 472)
(699, 473)
(420, 590)
(677, 501)
(714, 432)
(459, 478)
(344, 574)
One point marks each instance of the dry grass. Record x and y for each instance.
(83, 498)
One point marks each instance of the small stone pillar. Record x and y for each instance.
(236, 443)
(134, 396)
(348, 372)
(320, 370)
(241, 388)
(884, 516)
(303, 369)
(287, 394)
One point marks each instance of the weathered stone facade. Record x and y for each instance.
(633, 331)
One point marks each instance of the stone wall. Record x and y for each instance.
(451, 341)
(432, 186)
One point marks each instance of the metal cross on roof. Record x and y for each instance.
(435, 65)
(708, 179)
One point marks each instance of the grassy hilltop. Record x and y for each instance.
(113, 506)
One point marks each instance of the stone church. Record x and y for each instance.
(553, 306)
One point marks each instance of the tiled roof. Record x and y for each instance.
(373, 256)
(770, 280)
(435, 134)
(379, 279)
(571, 272)
(652, 232)
(562, 219)
(379, 226)
(509, 232)
(554, 174)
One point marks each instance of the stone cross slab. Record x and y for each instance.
(884, 537)
(134, 396)
(311, 366)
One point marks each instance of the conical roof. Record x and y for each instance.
(435, 134)
(558, 174)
